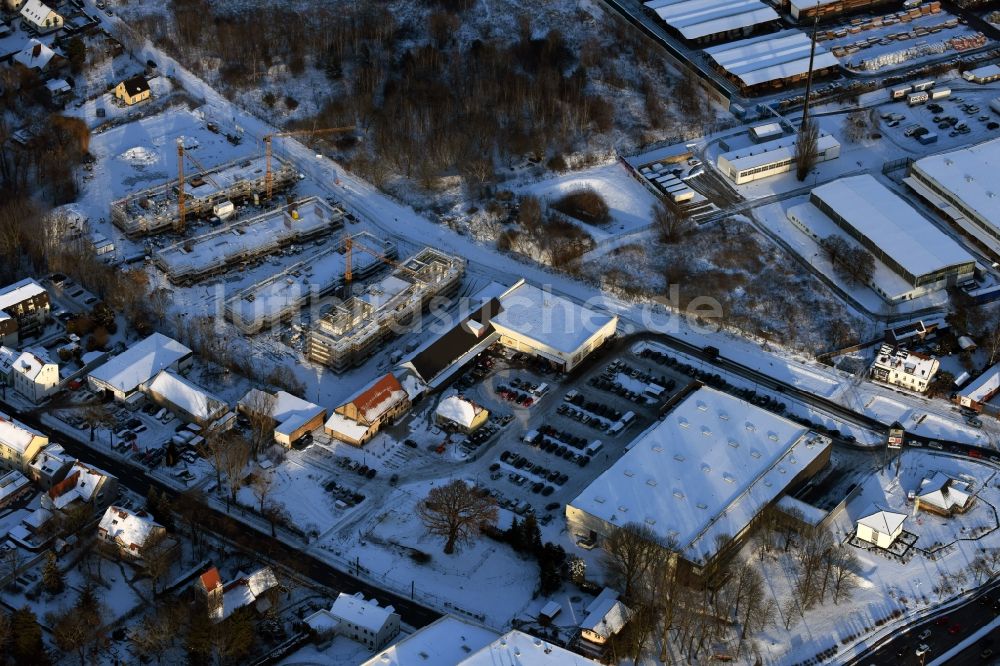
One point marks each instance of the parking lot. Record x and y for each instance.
(961, 118)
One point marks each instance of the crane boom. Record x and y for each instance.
(181, 212)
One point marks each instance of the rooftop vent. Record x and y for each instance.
(706, 468)
(650, 482)
(702, 407)
(729, 477)
(683, 422)
(723, 416)
(754, 453)
(600, 500)
(702, 505)
(706, 431)
(733, 443)
(773, 436)
(651, 521)
(679, 458)
(750, 427)
(678, 494)
(629, 473)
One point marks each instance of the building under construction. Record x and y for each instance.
(247, 241)
(281, 297)
(349, 334)
(157, 209)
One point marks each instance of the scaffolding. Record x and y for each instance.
(350, 333)
(158, 209)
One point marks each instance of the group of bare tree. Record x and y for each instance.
(457, 511)
(545, 236)
(854, 263)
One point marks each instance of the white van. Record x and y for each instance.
(616, 428)
(594, 448)
(541, 390)
(627, 418)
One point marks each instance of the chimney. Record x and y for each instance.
(36, 51)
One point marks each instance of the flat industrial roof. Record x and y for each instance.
(140, 362)
(782, 148)
(884, 217)
(770, 57)
(188, 396)
(970, 174)
(701, 18)
(549, 319)
(704, 472)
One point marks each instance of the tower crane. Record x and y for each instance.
(181, 202)
(268, 177)
(349, 244)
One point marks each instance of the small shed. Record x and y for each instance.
(881, 528)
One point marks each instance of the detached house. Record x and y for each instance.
(123, 375)
(25, 306)
(357, 421)
(19, 444)
(907, 369)
(133, 90)
(461, 414)
(31, 373)
(130, 534)
(359, 619)
(222, 600)
(82, 484)
(39, 17)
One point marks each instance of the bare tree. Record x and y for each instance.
(71, 632)
(456, 511)
(671, 225)
(856, 125)
(845, 570)
(261, 485)
(806, 149)
(157, 560)
(235, 456)
(258, 409)
(630, 551)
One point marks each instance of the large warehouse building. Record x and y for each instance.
(888, 227)
(963, 185)
(701, 476)
(771, 61)
(706, 21)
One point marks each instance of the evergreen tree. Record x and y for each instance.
(531, 535)
(26, 646)
(52, 575)
(171, 457)
(76, 53)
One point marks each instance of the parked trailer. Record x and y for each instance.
(930, 137)
(915, 98)
(901, 92)
(941, 93)
(923, 85)
(995, 105)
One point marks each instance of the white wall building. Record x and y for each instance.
(881, 528)
(124, 374)
(541, 323)
(188, 401)
(40, 16)
(19, 444)
(360, 619)
(771, 158)
(34, 375)
(604, 617)
(907, 369)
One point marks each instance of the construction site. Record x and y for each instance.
(247, 241)
(281, 297)
(349, 334)
(167, 207)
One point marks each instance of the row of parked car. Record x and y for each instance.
(476, 439)
(519, 462)
(355, 466)
(511, 394)
(345, 497)
(712, 379)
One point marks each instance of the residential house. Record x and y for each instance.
(27, 304)
(31, 533)
(903, 368)
(129, 533)
(358, 619)
(37, 56)
(13, 5)
(50, 466)
(293, 417)
(943, 495)
(19, 444)
(13, 486)
(881, 528)
(977, 394)
(82, 484)
(133, 90)
(604, 617)
(39, 17)
(188, 401)
(222, 600)
(358, 420)
(124, 374)
(32, 374)
(460, 414)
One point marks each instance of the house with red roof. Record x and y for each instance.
(359, 419)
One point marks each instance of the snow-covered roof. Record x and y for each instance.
(445, 642)
(703, 472)
(7, 358)
(379, 398)
(57, 86)
(289, 412)
(350, 428)
(244, 591)
(944, 492)
(771, 57)
(51, 459)
(883, 522)
(81, 483)
(35, 54)
(361, 612)
(31, 362)
(187, 396)
(35, 11)
(701, 18)
(129, 529)
(140, 362)
(458, 410)
(769, 152)
(910, 362)
(882, 216)
(539, 315)
(10, 483)
(984, 72)
(605, 615)
(969, 174)
(15, 434)
(19, 292)
(810, 514)
(322, 621)
(983, 386)
(516, 648)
